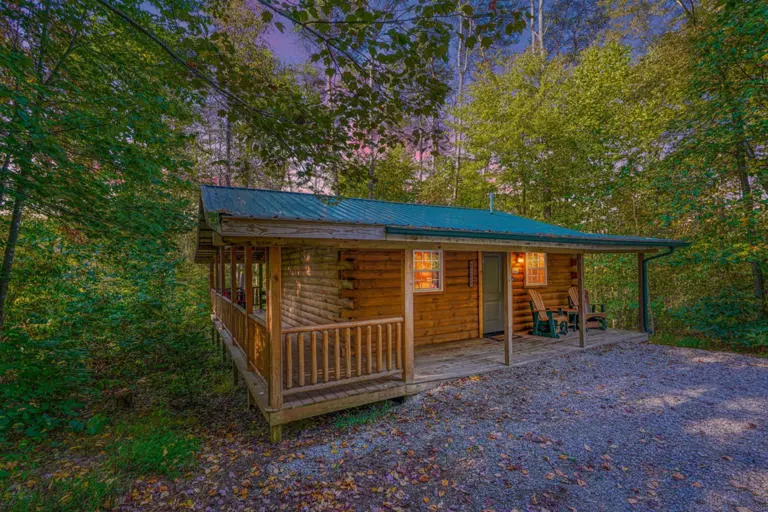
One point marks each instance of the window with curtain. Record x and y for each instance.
(535, 269)
(427, 271)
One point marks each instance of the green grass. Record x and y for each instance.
(704, 343)
(363, 415)
(92, 492)
(154, 445)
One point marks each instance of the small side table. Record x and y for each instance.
(573, 317)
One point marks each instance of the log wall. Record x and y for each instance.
(311, 286)
(324, 285)
(452, 314)
(372, 282)
(374, 286)
(561, 275)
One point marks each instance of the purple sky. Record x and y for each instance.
(288, 47)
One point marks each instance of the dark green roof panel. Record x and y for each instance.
(401, 218)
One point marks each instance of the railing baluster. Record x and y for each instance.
(300, 346)
(379, 349)
(398, 345)
(288, 362)
(370, 349)
(325, 356)
(348, 347)
(337, 353)
(313, 353)
(389, 346)
(359, 353)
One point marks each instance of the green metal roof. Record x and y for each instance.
(401, 218)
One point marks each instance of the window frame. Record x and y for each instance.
(546, 271)
(441, 272)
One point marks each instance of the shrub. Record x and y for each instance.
(733, 317)
(43, 384)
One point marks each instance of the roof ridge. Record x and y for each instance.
(384, 201)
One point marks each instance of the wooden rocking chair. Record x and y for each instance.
(546, 322)
(593, 316)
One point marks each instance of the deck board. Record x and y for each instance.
(445, 361)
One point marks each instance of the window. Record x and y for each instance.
(427, 271)
(535, 269)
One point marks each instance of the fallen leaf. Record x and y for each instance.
(737, 485)
(678, 476)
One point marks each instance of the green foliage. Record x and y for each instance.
(733, 317)
(44, 385)
(363, 415)
(154, 445)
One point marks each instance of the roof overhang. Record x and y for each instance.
(271, 232)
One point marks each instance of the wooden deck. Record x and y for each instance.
(435, 363)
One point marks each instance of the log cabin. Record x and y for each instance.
(325, 303)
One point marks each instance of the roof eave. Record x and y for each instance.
(519, 237)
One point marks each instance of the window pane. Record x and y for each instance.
(426, 270)
(535, 268)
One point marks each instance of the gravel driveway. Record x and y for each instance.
(636, 427)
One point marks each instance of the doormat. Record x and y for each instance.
(500, 337)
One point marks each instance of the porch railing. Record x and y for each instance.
(319, 356)
(253, 340)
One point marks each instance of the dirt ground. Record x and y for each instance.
(635, 427)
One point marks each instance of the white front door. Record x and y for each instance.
(493, 293)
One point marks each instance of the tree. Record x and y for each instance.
(90, 113)
(723, 177)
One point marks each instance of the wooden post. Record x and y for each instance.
(582, 300)
(509, 330)
(215, 270)
(274, 319)
(642, 299)
(221, 270)
(275, 433)
(408, 370)
(210, 277)
(248, 300)
(261, 284)
(480, 313)
(233, 274)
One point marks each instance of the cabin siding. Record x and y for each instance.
(452, 314)
(561, 274)
(372, 282)
(311, 286)
(328, 285)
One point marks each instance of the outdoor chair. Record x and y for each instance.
(597, 318)
(546, 321)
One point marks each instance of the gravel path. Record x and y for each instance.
(637, 427)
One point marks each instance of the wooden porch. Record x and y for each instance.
(327, 368)
(445, 361)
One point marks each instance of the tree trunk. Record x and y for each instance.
(541, 26)
(533, 26)
(758, 279)
(372, 170)
(10, 249)
(547, 203)
(229, 151)
(3, 180)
